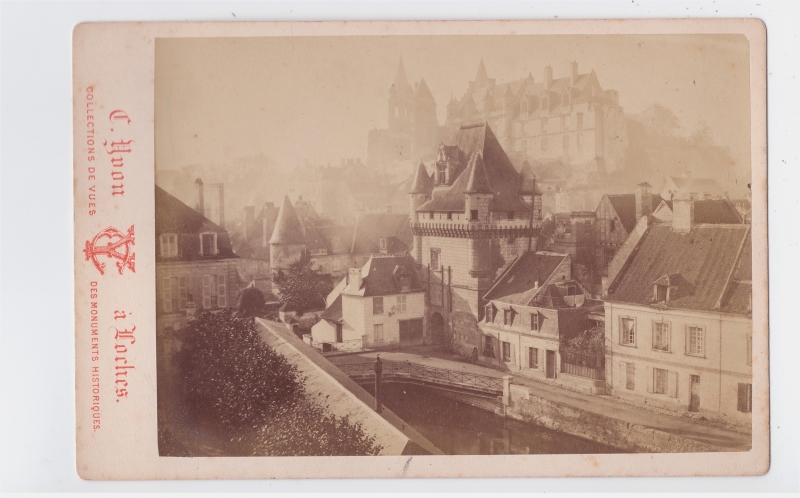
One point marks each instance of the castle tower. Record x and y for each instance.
(478, 203)
(288, 244)
(420, 193)
(424, 124)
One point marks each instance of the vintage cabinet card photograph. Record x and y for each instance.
(420, 249)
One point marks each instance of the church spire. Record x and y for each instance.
(400, 80)
(481, 78)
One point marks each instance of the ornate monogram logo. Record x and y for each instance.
(113, 244)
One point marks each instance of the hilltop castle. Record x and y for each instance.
(570, 120)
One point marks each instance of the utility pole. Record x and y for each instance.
(378, 366)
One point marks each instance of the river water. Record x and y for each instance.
(460, 429)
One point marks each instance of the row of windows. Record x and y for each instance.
(563, 121)
(377, 305)
(565, 143)
(169, 244)
(176, 296)
(662, 338)
(666, 382)
(509, 316)
(505, 352)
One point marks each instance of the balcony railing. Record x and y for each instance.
(414, 371)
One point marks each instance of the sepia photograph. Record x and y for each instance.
(453, 245)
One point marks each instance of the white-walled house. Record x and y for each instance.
(678, 318)
(380, 305)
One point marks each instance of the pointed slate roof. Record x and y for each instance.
(287, 227)
(478, 181)
(501, 175)
(481, 77)
(519, 284)
(422, 181)
(423, 92)
(400, 80)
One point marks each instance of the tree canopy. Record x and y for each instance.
(301, 288)
(233, 379)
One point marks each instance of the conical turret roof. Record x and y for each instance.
(423, 92)
(422, 182)
(478, 179)
(482, 77)
(400, 80)
(287, 227)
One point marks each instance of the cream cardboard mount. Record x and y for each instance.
(566, 250)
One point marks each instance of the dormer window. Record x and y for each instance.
(489, 318)
(660, 293)
(511, 215)
(384, 244)
(169, 245)
(508, 317)
(208, 244)
(441, 173)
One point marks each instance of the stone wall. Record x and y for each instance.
(606, 430)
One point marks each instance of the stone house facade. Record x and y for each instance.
(678, 314)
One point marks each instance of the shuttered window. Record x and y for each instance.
(627, 331)
(660, 380)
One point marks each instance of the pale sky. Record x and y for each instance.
(315, 98)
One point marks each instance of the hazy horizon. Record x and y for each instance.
(315, 98)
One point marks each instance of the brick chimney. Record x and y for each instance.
(682, 212)
(201, 205)
(574, 72)
(644, 201)
(221, 188)
(548, 76)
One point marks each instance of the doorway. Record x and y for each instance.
(694, 399)
(411, 332)
(436, 328)
(550, 364)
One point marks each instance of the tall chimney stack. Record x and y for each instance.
(201, 205)
(221, 205)
(682, 212)
(644, 201)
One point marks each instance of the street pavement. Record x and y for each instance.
(602, 405)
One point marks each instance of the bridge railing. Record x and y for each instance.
(416, 371)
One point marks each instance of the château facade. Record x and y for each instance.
(571, 119)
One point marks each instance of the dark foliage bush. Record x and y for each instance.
(302, 288)
(234, 379)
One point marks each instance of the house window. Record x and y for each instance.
(401, 304)
(580, 120)
(488, 346)
(511, 215)
(749, 349)
(534, 321)
(627, 334)
(171, 294)
(208, 244)
(430, 215)
(544, 124)
(533, 357)
(695, 342)
(660, 380)
(564, 122)
(566, 143)
(435, 253)
(169, 245)
(630, 376)
(449, 216)
(214, 291)
(578, 141)
(661, 293)
(384, 244)
(489, 313)
(506, 351)
(661, 336)
(544, 144)
(377, 331)
(473, 215)
(508, 317)
(745, 401)
(377, 305)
